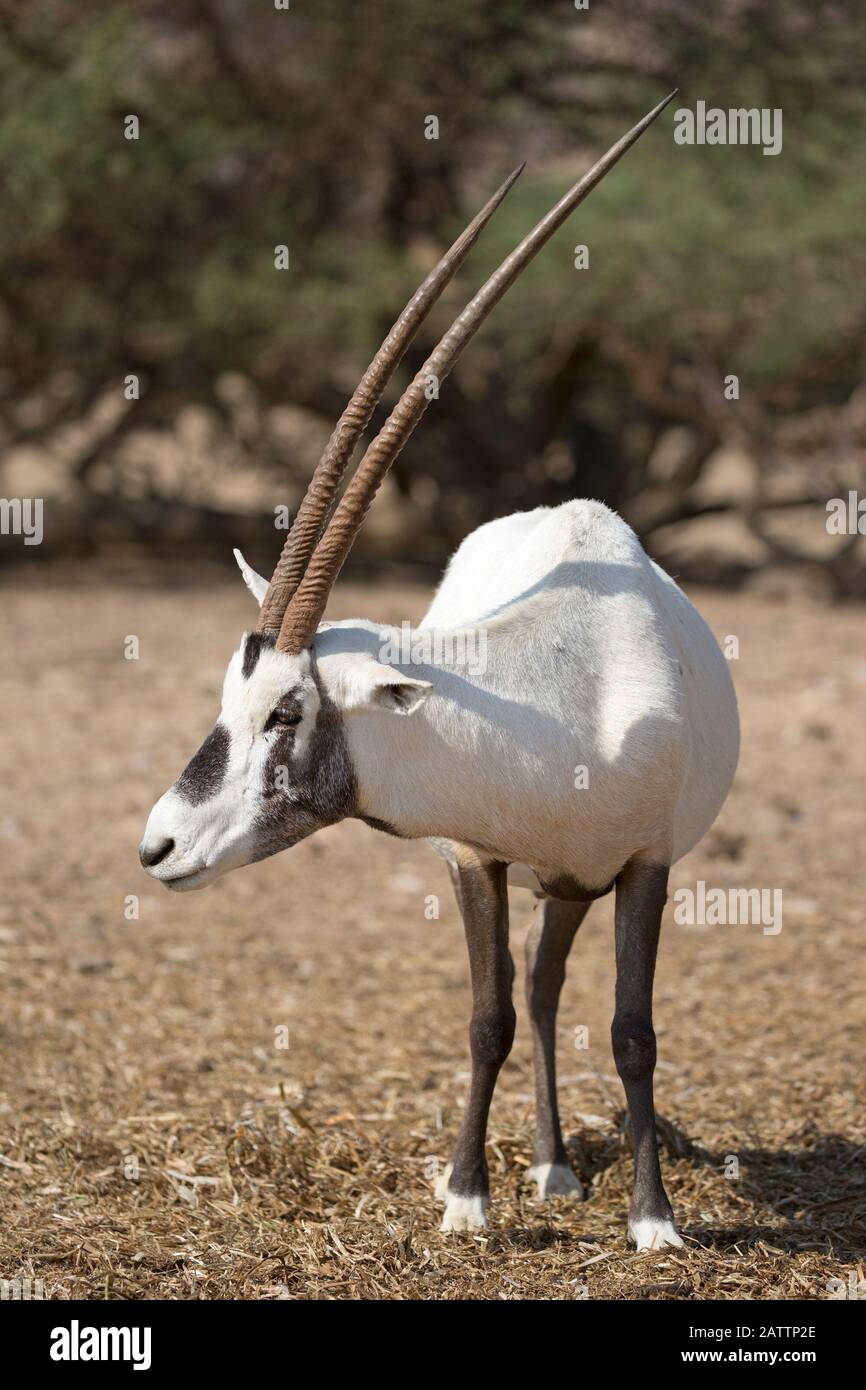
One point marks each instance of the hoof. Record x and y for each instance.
(555, 1180)
(654, 1233)
(464, 1214)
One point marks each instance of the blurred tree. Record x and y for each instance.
(306, 127)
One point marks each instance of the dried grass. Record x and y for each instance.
(157, 1144)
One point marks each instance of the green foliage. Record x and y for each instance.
(261, 127)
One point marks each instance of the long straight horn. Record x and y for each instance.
(322, 489)
(306, 608)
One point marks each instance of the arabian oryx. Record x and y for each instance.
(593, 658)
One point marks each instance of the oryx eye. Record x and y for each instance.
(285, 716)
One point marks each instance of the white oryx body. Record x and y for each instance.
(601, 725)
(595, 660)
(562, 709)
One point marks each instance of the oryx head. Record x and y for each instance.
(276, 765)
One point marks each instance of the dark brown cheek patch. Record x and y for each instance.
(204, 773)
(321, 785)
(278, 767)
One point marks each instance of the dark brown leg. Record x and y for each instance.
(641, 890)
(547, 947)
(484, 903)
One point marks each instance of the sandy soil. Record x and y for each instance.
(157, 1141)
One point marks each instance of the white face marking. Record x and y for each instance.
(212, 816)
(249, 702)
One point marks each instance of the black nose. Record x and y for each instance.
(151, 857)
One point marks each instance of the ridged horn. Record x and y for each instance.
(305, 609)
(322, 489)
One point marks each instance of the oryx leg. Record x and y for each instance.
(641, 890)
(483, 899)
(547, 946)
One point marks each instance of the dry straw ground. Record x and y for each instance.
(157, 1144)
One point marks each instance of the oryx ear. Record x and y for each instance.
(371, 685)
(257, 586)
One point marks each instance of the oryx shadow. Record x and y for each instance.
(806, 1197)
